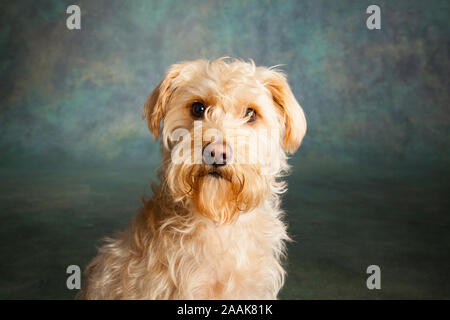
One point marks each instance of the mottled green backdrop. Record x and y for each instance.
(369, 185)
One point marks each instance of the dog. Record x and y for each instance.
(213, 228)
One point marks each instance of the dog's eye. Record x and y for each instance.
(198, 110)
(251, 115)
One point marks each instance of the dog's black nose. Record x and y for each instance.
(217, 154)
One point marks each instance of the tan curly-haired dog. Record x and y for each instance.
(213, 228)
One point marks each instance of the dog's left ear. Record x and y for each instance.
(155, 107)
(294, 118)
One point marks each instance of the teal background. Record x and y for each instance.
(369, 185)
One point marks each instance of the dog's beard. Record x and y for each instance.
(220, 194)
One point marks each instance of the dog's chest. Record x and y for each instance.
(245, 254)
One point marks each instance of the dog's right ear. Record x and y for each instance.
(156, 105)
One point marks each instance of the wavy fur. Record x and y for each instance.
(199, 236)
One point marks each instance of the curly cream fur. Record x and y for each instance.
(201, 237)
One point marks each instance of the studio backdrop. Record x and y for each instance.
(369, 185)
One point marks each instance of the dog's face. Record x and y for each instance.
(226, 128)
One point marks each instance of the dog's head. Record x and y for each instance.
(225, 130)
